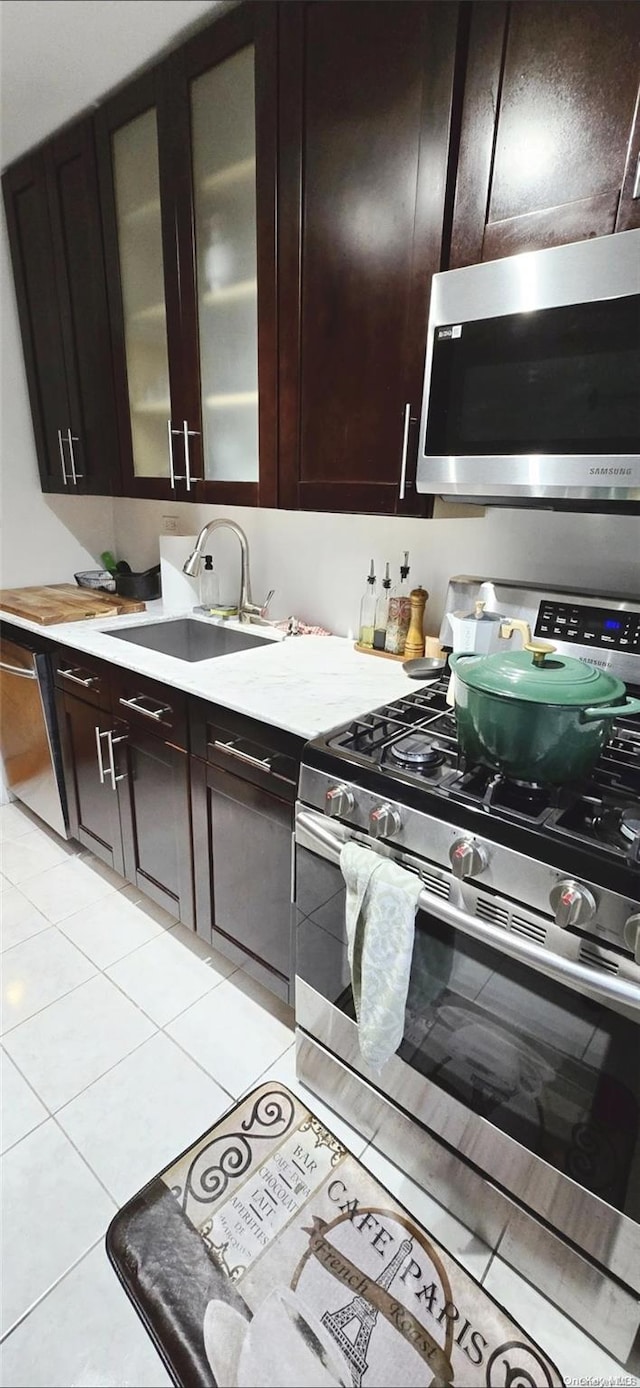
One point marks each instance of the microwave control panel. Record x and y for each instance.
(608, 628)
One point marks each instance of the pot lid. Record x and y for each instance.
(478, 614)
(540, 677)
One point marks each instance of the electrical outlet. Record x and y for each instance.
(170, 525)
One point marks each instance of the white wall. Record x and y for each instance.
(43, 539)
(317, 562)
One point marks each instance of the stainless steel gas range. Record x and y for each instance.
(514, 1097)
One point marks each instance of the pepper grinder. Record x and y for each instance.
(414, 647)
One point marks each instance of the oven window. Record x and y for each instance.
(556, 1071)
(561, 380)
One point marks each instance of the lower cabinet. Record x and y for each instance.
(87, 736)
(192, 803)
(153, 796)
(128, 792)
(243, 799)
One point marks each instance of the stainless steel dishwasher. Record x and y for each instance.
(29, 733)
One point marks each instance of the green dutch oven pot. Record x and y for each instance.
(534, 715)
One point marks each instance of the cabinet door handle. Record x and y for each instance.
(264, 763)
(405, 448)
(173, 475)
(187, 433)
(73, 438)
(99, 752)
(75, 679)
(62, 461)
(111, 742)
(148, 713)
(635, 192)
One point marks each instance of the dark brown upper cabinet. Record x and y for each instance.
(188, 181)
(366, 110)
(550, 136)
(55, 235)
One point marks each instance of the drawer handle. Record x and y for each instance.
(264, 763)
(148, 712)
(75, 679)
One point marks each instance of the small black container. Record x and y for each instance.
(143, 586)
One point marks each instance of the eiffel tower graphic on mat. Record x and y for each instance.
(358, 1309)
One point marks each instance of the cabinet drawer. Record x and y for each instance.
(152, 707)
(83, 676)
(268, 757)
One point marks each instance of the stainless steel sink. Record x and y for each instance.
(186, 639)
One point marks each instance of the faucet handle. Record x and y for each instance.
(265, 606)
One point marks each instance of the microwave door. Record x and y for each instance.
(531, 396)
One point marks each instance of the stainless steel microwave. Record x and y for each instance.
(532, 378)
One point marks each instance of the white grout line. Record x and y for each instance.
(56, 1283)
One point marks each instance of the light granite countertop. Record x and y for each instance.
(305, 684)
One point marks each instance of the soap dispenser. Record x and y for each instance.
(209, 587)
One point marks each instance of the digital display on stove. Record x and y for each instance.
(590, 626)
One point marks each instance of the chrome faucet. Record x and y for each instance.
(247, 609)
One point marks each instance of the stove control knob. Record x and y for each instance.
(384, 822)
(467, 857)
(632, 935)
(338, 800)
(572, 903)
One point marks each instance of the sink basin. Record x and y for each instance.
(188, 640)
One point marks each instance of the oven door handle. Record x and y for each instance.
(607, 987)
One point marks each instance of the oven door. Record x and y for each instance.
(523, 1062)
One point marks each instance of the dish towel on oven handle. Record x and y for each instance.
(380, 914)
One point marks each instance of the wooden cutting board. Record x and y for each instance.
(64, 602)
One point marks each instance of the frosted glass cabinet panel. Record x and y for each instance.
(224, 179)
(137, 198)
(188, 165)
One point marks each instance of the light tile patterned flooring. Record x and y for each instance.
(123, 1038)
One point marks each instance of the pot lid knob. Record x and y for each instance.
(479, 607)
(539, 649)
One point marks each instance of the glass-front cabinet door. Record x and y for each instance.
(188, 158)
(137, 197)
(224, 186)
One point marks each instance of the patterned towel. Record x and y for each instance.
(380, 915)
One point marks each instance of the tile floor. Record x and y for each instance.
(115, 1056)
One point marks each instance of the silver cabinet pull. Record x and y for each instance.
(99, 752)
(75, 679)
(148, 713)
(187, 434)
(62, 461)
(264, 763)
(111, 770)
(73, 438)
(173, 475)
(635, 192)
(17, 670)
(405, 446)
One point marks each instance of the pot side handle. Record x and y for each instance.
(590, 715)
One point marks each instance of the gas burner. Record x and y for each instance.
(418, 752)
(630, 824)
(494, 791)
(603, 820)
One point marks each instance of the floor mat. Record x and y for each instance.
(266, 1256)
